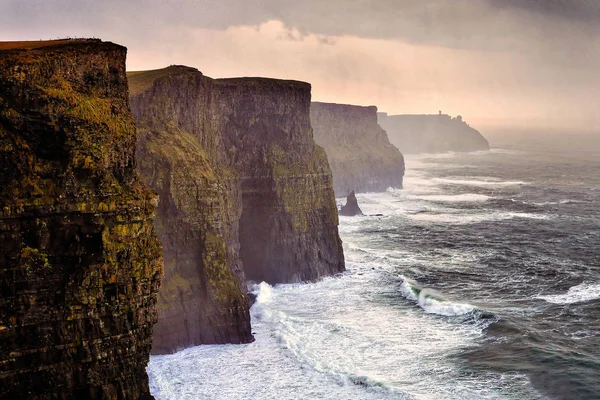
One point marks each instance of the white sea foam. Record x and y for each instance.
(576, 294)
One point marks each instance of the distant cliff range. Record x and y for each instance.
(361, 157)
(431, 133)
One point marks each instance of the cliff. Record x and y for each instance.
(202, 300)
(246, 195)
(359, 151)
(80, 263)
(431, 133)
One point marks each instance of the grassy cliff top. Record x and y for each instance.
(338, 106)
(142, 80)
(38, 44)
(261, 82)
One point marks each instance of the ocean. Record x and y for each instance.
(480, 281)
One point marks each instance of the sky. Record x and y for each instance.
(501, 64)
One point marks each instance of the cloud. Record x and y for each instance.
(489, 59)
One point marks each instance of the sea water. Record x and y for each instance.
(480, 281)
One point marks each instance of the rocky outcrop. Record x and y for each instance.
(246, 194)
(80, 263)
(351, 207)
(359, 151)
(431, 133)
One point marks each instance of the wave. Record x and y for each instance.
(451, 154)
(576, 294)
(457, 219)
(433, 302)
(482, 181)
(467, 197)
(498, 150)
(299, 336)
(565, 201)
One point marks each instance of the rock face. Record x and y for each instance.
(359, 151)
(80, 263)
(351, 207)
(431, 133)
(246, 194)
(201, 300)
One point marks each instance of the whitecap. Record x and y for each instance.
(457, 219)
(479, 181)
(465, 197)
(576, 294)
(431, 301)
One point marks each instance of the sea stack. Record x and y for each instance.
(359, 151)
(437, 133)
(245, 194)
(351, 207)
(80, 263)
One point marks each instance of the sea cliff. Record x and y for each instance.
(80, 263)
(245, 194)
(361, 156)
(431, 133)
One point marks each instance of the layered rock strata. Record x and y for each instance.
(432, 133)
(359, 151)
(246, 194)
(80, 263)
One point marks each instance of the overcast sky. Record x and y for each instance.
(513, 63)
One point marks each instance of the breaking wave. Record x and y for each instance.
(482, 181)
(433, 302)
(576, 294)
(467, 197)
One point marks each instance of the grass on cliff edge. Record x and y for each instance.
(35, 44)
(139, 81)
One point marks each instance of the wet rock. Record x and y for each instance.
(351, 207)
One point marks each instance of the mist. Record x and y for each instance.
(500, 64)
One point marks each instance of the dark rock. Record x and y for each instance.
(351, 207)
(80, 263)
(359, 151)
(245, 193)
(437, 133)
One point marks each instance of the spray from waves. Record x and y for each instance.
(576, 294)
(297, 336)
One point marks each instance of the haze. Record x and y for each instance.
(528, 64)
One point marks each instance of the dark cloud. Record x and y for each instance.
(456, 23)
(549, 46)
(581, 10)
